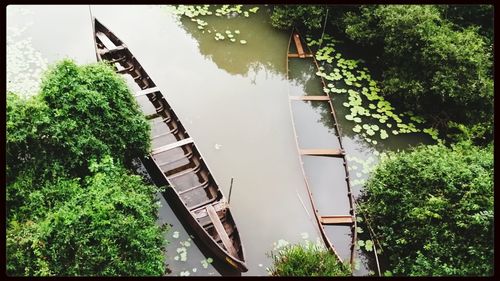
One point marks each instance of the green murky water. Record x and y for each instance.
(231, 97)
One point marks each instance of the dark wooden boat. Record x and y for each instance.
(322, 219)
(176, 160)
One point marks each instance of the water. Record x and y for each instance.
(232, 99)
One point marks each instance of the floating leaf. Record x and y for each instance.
(175, 234)
(237, 31)
(369, 245)
(357, 128)
(357, 120)
(383, 134)
(243, 42)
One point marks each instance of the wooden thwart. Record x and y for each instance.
(333, 220)
(172, 146)
(298, 56)
(323, 152)
(147, 91)
(310, 98)
(298, 44)
(221, 230)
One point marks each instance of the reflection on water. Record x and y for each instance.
(233, 101)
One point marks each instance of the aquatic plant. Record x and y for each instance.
(193, 12)
(364, 99)
(306, 260)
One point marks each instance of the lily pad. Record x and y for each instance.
(243, 42)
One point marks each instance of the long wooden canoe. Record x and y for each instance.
(176, 160)
(322, 219)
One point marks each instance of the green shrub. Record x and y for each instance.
(305, 16)
(72, 209)
(81, 113)
(433, 209)
(306, 260)
(427, 63)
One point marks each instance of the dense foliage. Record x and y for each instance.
(71, 121)
(308, 16)
(306, 260)
(104, 227)
(72, 207)
(426, 62)
(433, 210)
(435, 60)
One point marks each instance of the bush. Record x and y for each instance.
(306, 260)
(72, 209)
(305, 16)
(427, 63)
(433, 209)
(107, 227)
(81, 113)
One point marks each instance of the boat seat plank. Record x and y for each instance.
(172, 146)
(221, 231)
(323, 152)
(305, 98)
(307, 55)
(298, 44)
(105, 40)
(332, 220)
(147, 91)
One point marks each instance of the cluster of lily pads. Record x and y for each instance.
(229, 35)
(229, 11)
(25, 64)
(182, 255)
(364, 99)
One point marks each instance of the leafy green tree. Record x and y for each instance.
(81, 113)
(71, 208)
(433, 209)
(305, 16)
(107, 228)
(306, 260)
(433, 68)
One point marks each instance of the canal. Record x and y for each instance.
(232, 97)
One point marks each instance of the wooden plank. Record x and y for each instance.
(332, 220)
(325, 98)
(298, 44)
(297, 55)
(172, 146)
(323, 152)
(146, 91)
(221, 231)
(105, 40)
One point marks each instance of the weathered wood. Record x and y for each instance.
(297, 55)
(221, 230)
(323, 152)
(105, 41)
(334, 220)
(305, 98)
(147, 91)
(110, 48)
(172, 146)
(298, 44)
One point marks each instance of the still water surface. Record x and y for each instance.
(233, 100)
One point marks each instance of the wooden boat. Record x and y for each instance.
(322, 219)
(175, 161)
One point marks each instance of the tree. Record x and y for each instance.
(81, 113)
(72, 207)
(306, 260)
(433, 209)
(105, 227)
(306, 16)
(426, 63)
